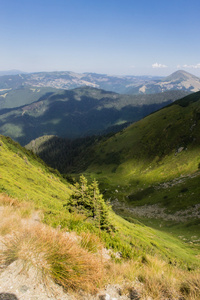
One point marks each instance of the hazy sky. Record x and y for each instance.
(134, 37)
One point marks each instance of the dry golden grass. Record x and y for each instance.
(55, 256)
(91, 242)
(156, 279)
(10, 221)
(24, 208)
(12, 213)
(51, 252)
(76, 262)
(8, 201)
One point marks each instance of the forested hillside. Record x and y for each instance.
(72, 113)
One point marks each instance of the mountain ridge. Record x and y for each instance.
(73, 113)
(120, 84)
(70, 80)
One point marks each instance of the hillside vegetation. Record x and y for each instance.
(28, 113)
(10, 98)
(149, 171)
(159, 148)
(30, 185)
(154, 165)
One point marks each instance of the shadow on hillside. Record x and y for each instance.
(8, 296)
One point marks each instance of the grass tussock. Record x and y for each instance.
(155, 279)
(24, 208)
(75, 262)
(91, 242)
(9, 221)
(5, 200)
(54, 255)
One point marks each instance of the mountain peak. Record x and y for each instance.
(180, 75)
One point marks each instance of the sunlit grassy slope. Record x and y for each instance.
(25, 178)
(155, 161)
(162, 146)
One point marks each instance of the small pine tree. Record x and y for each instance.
(87, 199)
(100, 208)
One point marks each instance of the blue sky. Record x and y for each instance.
(133, 37)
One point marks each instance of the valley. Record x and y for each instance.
(118, 172)
(30, 189)
(100, 150)
(145, 171)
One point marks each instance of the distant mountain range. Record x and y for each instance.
(33, 105)
(179, 80)
(31, 112)
(71, 80)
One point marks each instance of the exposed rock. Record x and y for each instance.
(133, 294)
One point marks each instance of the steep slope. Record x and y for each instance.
(25, 178)
(154, 164)
(73, 254)
(167, 141)
(74, 113)
(149, 170)
(179, 80)
(170, 133)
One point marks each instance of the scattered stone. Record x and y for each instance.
(104, 297)
(180, 149)
(23, 288)
(8, 296)
(133, 294)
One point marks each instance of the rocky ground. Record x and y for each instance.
(155, 211)
(18, 283)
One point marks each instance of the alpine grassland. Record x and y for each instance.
(159, 148)
(150, 170)
(44, 228)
